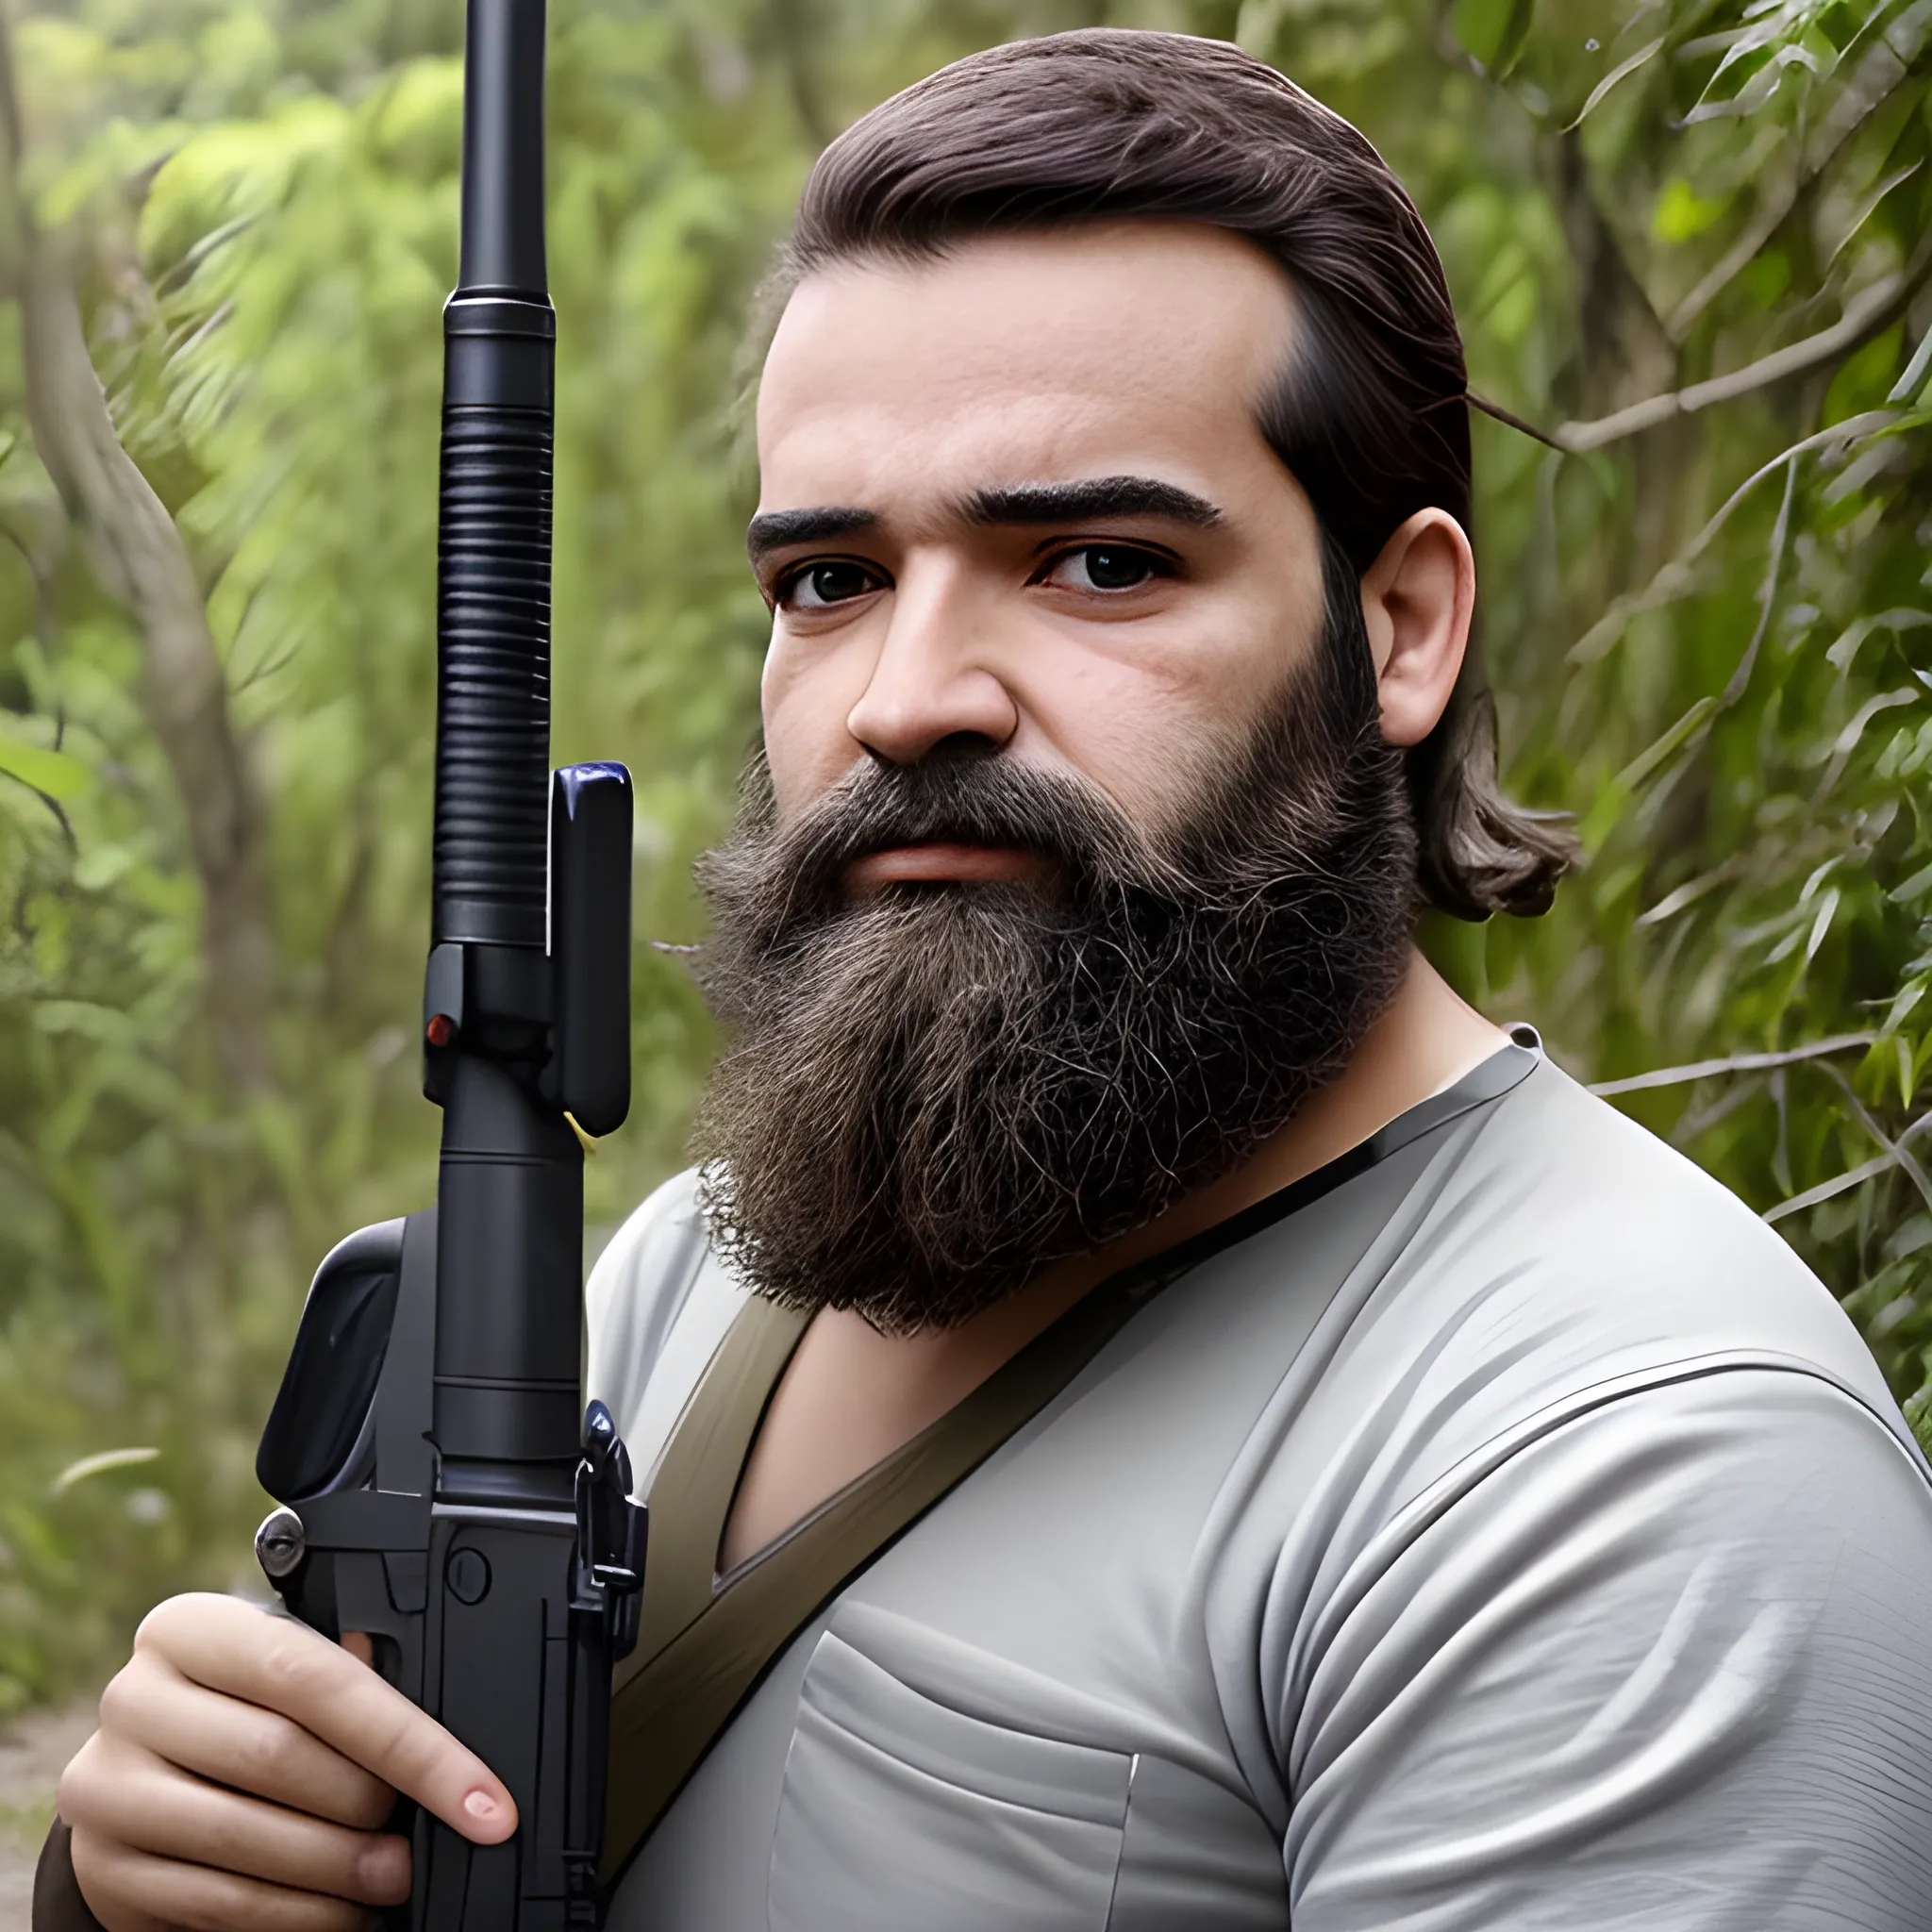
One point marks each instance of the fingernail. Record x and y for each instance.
(482, 1807)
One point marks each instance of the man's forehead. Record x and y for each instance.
(1130, 349)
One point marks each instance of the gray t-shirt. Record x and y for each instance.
(1515, 1535)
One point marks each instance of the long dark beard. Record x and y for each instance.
(934, 1092)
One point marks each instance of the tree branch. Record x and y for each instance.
(1735, 1063)
(140, 559)
(1825, 1191)
(1868, 312)
(1894, 1149)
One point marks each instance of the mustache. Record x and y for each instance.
(978, 797)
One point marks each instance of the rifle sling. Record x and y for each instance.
(703, 1654)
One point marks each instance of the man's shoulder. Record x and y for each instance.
(667, 1218)
(1568, 1251)
(1557, 1287)
(657, 1305)
(1596, 1200)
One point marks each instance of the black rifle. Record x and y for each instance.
(440, 1489)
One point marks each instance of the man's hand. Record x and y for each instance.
(241, 1773)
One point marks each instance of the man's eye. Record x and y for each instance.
(1105, 567)
(819, 585)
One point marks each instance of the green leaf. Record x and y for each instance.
(1907, 386)
(1640, 768)
(100, 866)
(100, 1464)
(1827, 911)
(57, 773)
(1681, 213)
(1621, 72)
(1494, 31)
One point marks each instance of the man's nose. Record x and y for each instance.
(933, 679)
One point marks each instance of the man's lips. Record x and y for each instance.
(944, 863)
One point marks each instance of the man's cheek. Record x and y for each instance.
(1153, 762)
(1151, 718)
(807, 744)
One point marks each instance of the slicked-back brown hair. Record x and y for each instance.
(1370, 412)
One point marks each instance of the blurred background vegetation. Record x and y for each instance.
(1689, 240)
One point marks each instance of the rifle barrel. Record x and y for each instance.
(503, 150)
(492, 754)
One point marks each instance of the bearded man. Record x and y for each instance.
(1156, 1416)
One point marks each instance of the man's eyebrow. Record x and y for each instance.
(770, 529)
(1090, 496)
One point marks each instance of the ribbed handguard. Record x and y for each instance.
(493, 747)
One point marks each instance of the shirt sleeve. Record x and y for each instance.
(57, 1904)
(1665, 1666)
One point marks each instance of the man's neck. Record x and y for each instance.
(851, 1395)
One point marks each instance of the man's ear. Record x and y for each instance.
(1417, 599)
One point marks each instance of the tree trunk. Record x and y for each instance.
(140, 559)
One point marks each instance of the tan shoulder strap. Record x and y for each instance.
(708, 1657)
(691, 1489)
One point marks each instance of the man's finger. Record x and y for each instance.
(58, 1900)
(239, 1745)
(222, 1642)
(136, 1892)
(148, 1805)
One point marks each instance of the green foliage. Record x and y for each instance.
(1710, 636)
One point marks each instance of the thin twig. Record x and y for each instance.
(1842, 1183)
(1867, 313)
(1734, 1063)
(1896, 1149)
(1514, 421)
(52, 804)
(1839, 1184)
